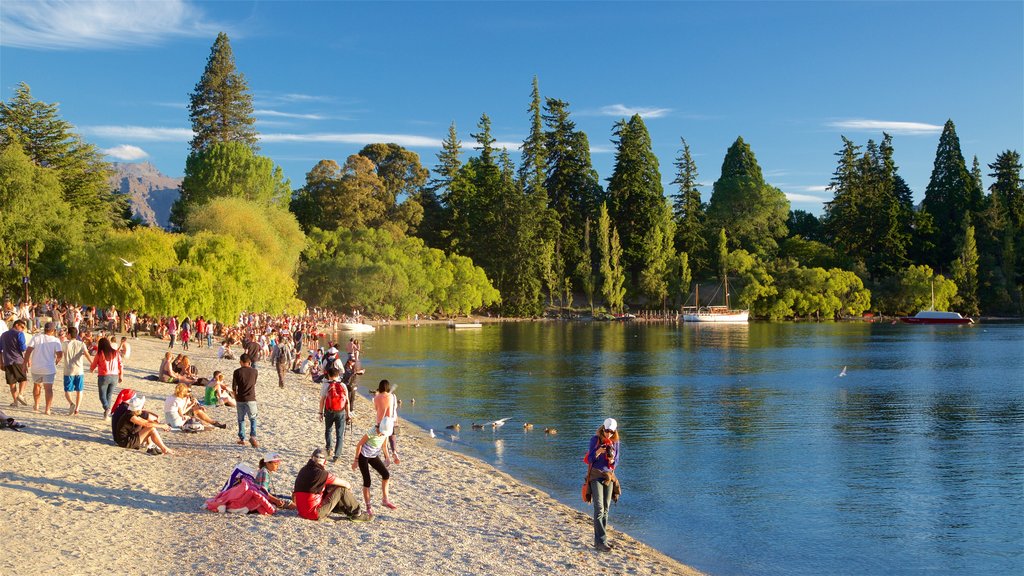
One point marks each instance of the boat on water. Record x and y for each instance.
(355, 327)
(719, 314)
(936, 317)
(463, 325)
(933, 316)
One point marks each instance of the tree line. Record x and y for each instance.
(380, 232)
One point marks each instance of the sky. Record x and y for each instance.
(329, 77)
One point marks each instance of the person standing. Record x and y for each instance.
(172, 329)
(283, 358)
(371, 447)
(243, 384)
(12, 358)
(107, 364)
(602, 457)
(318, 493)
(74, 360)
(334, 410)
(133, 324)
(350, 378)
(252, 347)
(41, 357)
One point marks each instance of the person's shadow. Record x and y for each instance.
(49, 489)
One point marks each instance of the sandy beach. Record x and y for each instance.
(75, 503)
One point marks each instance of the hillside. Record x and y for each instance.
(150, 192)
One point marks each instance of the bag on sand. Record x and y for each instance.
(192, 425)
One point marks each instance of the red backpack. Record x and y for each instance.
(337, 397)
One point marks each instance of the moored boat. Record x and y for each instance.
(719, 314)
(462, 325)
(355, 327)
(936, 317)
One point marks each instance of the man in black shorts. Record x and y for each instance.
(12, 360)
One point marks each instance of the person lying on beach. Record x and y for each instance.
(134, 427)
(369, 450)
(318, 493)
(265, 480)
(181, 406)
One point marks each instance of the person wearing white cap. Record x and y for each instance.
(265, 480)
(369, 450)
(136, 428)
(602, 457)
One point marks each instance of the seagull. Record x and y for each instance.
(455, 427)
(499, 423)
(432, 433)
(126, 263)
(843, 373)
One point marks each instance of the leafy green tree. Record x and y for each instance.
(916, 286)
(656, 271)
(274, 231)
(585, 267)
(752, 212)
(688, 210)
(609, 254)
(220, 106)
(804, 225)
(49, 141)
(403, 177)
(949, 196)
(683, 279)
(722, 251)
(810, 253)
(229, 169)
(965, 274)
(636, 197)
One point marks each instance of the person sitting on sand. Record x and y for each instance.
(369, 450)
(134, 427)
(187, 373)
(167, 372)
(265, 480)
(218, 393)
(318, 493)
(224, 353)
(181, 406)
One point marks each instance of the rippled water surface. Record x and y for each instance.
(744, 452)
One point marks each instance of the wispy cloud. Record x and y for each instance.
(794, 197)
(892, 127)
(279, 114)
(410, 140)
(621, 110)
(144, 133)
(601, 149)
(815, 188)
(126, 152)
(99, 24)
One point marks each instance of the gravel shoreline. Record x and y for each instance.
(77, 504)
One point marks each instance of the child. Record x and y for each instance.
(264, 479)
(368, 453)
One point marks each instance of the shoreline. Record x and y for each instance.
(70, 488)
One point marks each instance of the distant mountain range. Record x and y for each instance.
(150, 193)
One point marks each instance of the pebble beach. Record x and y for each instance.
(75, 503)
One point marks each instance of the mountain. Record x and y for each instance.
(150, 193)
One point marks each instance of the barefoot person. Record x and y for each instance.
(371, 447)
(12, 360)
(604, 486)
(243, 384)
(41, 358)
(75, 358)
(181, 406)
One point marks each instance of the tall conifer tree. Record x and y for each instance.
(688, 210)
(221, 106)
(948, 198)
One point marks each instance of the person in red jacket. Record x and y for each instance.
(318, 493)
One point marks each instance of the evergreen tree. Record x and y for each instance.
(722, 251)
(221, 106)
(513, 240)
(948, 198)
(637, 199)
(534, 165)
(613, 278)
(49, 141)
(752, 211)
(965, 273)
(585, 267)
(1009, 186)
(572, 186)
(436, 225)
(688, 210)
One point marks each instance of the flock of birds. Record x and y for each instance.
(493, 425)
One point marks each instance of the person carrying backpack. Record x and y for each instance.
(335, 410)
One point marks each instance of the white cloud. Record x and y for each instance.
(410, 140)
(620, 110)
(126, 152)
(601, 149)
(816, 188)
(278, 114)
(794, 197)
(892, 127)
(101, 24)
(145, 133)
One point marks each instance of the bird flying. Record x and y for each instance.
(126, 263)
(843, 373)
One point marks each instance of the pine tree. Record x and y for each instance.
(484, 141)
(688, 210)
(752, 211)
(1009, 186)
(948, 198)
(585, 267)
(637, 199)
(513, 240)
(722, 253)
(965, 273)
(534, 164)
(221, 106)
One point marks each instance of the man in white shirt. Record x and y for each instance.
(76, 358)
(41, 357)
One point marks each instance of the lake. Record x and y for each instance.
(744, 451)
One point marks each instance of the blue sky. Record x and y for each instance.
(328, 77)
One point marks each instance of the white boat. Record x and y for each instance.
(719, 314)
(461, 325)
(355, 327)
(933, 316)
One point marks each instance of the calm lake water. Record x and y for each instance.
(744, 452)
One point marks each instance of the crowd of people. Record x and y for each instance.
(62, 336)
